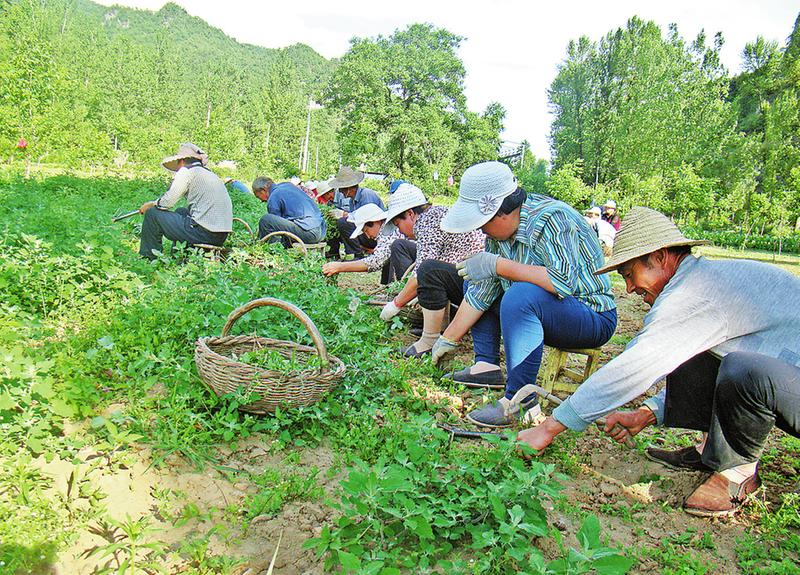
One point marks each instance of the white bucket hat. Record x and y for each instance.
(323, 188)
(483, 187)
(364, 214)
(405, 197)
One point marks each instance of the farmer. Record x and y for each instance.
(324, 192)
(352, 196)
(237, 185)
(393, 254)
(535, 284)
(725, 336)
(289, 209)
(209, 217)
(605, 231)
(435, 281)
(610, 214)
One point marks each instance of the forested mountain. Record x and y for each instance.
(84, 83)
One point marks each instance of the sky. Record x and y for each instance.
(511, 48)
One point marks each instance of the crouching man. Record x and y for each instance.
(725, 336)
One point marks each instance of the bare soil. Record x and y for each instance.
(637, 500)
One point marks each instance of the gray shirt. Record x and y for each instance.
(716, 306)
(208, 199)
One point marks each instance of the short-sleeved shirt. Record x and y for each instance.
(435, 244)
(206, 195)
(553, 235)
(290, 202)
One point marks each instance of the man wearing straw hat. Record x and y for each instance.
(209, 217)
(347, 180)
(725, 336)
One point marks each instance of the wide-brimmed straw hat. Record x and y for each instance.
(186, 151)
(405, 197)
(347, 177)
(364, 214)
(482, 189)
(644, 231)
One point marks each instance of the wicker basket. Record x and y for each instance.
(223, 374)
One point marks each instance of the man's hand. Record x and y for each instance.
(632, 422)
(479, 267)
(331, 268)
(542, 435)
(441, 348)
(389, 311)
(146, 206)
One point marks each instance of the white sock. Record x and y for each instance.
(740, 473)
(426, 341)
(482, 367)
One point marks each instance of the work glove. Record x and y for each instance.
(441, 348)
(389, 311)
(482, 266)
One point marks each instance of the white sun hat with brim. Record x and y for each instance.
(594, 210)
(644, 231)
(364, 214)
(186, 151)
(405, 197)
(482, 190)
(323, 187)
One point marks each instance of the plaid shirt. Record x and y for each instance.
(435, 244)
(209, 203)
(553, 235)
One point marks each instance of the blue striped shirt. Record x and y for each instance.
(553, 235)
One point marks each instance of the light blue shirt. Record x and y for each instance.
(715, 306)
(290, 202)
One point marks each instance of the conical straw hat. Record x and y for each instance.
(644, 231)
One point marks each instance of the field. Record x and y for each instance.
(115, 458)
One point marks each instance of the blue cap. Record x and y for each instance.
(396, 184)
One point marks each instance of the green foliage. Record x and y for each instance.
(403, 108)
(277, 486)
(415, 508)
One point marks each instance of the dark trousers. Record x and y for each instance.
(530, 317)
(354, 247)
(737, 401)
(271, 223)
(437, 284)
(177, 226)
(402, 254)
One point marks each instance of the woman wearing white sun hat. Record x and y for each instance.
(435, 281)
(535, 282)
(393, 254)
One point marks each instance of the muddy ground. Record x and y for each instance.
(638, 501)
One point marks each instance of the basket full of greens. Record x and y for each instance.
(274, 372)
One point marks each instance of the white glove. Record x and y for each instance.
(441, 348)
(389, 311)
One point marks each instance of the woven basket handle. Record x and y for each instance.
(316, 337)
(247, 227)
(297, 241)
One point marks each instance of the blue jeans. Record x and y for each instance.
(271, 223)
(530, 317)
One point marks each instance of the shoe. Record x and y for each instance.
(718, 496)
(411, 351)
(686, 458)
(488, 380)
(500, 414)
